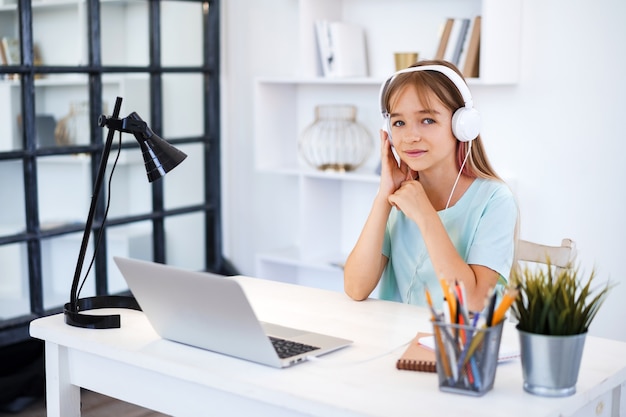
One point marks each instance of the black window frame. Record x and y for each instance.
(13, 330)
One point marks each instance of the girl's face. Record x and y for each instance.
(422, 132)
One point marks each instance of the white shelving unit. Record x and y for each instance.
(319, 215)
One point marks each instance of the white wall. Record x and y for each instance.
(558, 132)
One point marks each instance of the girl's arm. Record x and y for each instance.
(448, 264)
(366, 262)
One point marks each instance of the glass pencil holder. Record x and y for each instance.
(467, 357)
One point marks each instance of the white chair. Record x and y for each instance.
(559, 256)
(538, 255)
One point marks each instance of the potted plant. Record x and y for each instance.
(554, 309)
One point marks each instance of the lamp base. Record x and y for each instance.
(89, 321)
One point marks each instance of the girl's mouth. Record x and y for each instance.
(415, 153)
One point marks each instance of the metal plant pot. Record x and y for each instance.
(550, 364)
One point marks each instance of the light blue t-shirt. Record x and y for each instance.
(481, 226)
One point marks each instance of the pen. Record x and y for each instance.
(476, 374)
(490, 309)
(449, 297)
(463, 317)
(430, 304)
(504, 305)
(473, 345)
(450, 344)
(442, 353)
(466, 349)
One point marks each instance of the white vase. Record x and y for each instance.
(335, 141)
(550, 364)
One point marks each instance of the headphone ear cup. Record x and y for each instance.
(387, 128)
(466, 124)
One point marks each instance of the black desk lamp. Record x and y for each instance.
(160, 157)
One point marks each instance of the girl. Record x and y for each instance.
(441, 212)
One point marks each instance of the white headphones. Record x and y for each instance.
(465, 120)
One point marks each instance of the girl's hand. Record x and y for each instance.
(411, 199)
(391, 175)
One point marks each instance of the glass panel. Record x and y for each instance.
(128, 241)
(9, 30)
(62, 110)
(58, 262)
(184, 186)
(173, 38)
(10, 114)
(14, 292)
(131, 192)
(9, 24)
(64, 188)
(60, 32)
(185, 242)
(125, 33)
(183, 105)
(13, 211)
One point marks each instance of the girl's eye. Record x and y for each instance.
(398, 123)
(428, 121)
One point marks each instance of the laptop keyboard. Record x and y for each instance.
(289, 348)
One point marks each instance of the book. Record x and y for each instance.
(341, 49)
(457, 38)
(470, 66)
(465, 46)
(418, 357)
(444, 38)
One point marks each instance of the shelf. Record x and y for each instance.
(361, 81)
(415, 27)
(326, 211)
(365, 176)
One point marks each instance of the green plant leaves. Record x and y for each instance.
(555, 301)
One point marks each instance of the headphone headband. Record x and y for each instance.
(466, 121)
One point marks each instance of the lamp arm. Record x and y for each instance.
(73, 308)
(92, 211)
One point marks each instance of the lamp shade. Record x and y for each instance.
(159, 156)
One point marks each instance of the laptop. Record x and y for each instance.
(212, 312)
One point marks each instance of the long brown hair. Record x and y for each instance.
(437, 83)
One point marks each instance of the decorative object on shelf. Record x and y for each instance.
(341, 48)
(554, 310)
(11, 48)
(3, 56)
(405, 59)
(61, 132)
(73, 128)
(160, 158)
(37, 60)
(335, 141)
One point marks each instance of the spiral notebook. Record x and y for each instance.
(418, 357)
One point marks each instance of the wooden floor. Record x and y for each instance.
(93, 405)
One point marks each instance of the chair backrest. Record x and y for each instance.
(530, 252)
(560, 256)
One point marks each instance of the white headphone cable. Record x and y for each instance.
(469, 148)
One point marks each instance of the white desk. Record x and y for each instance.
(133, 364)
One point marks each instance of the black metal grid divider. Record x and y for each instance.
(15, 329)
